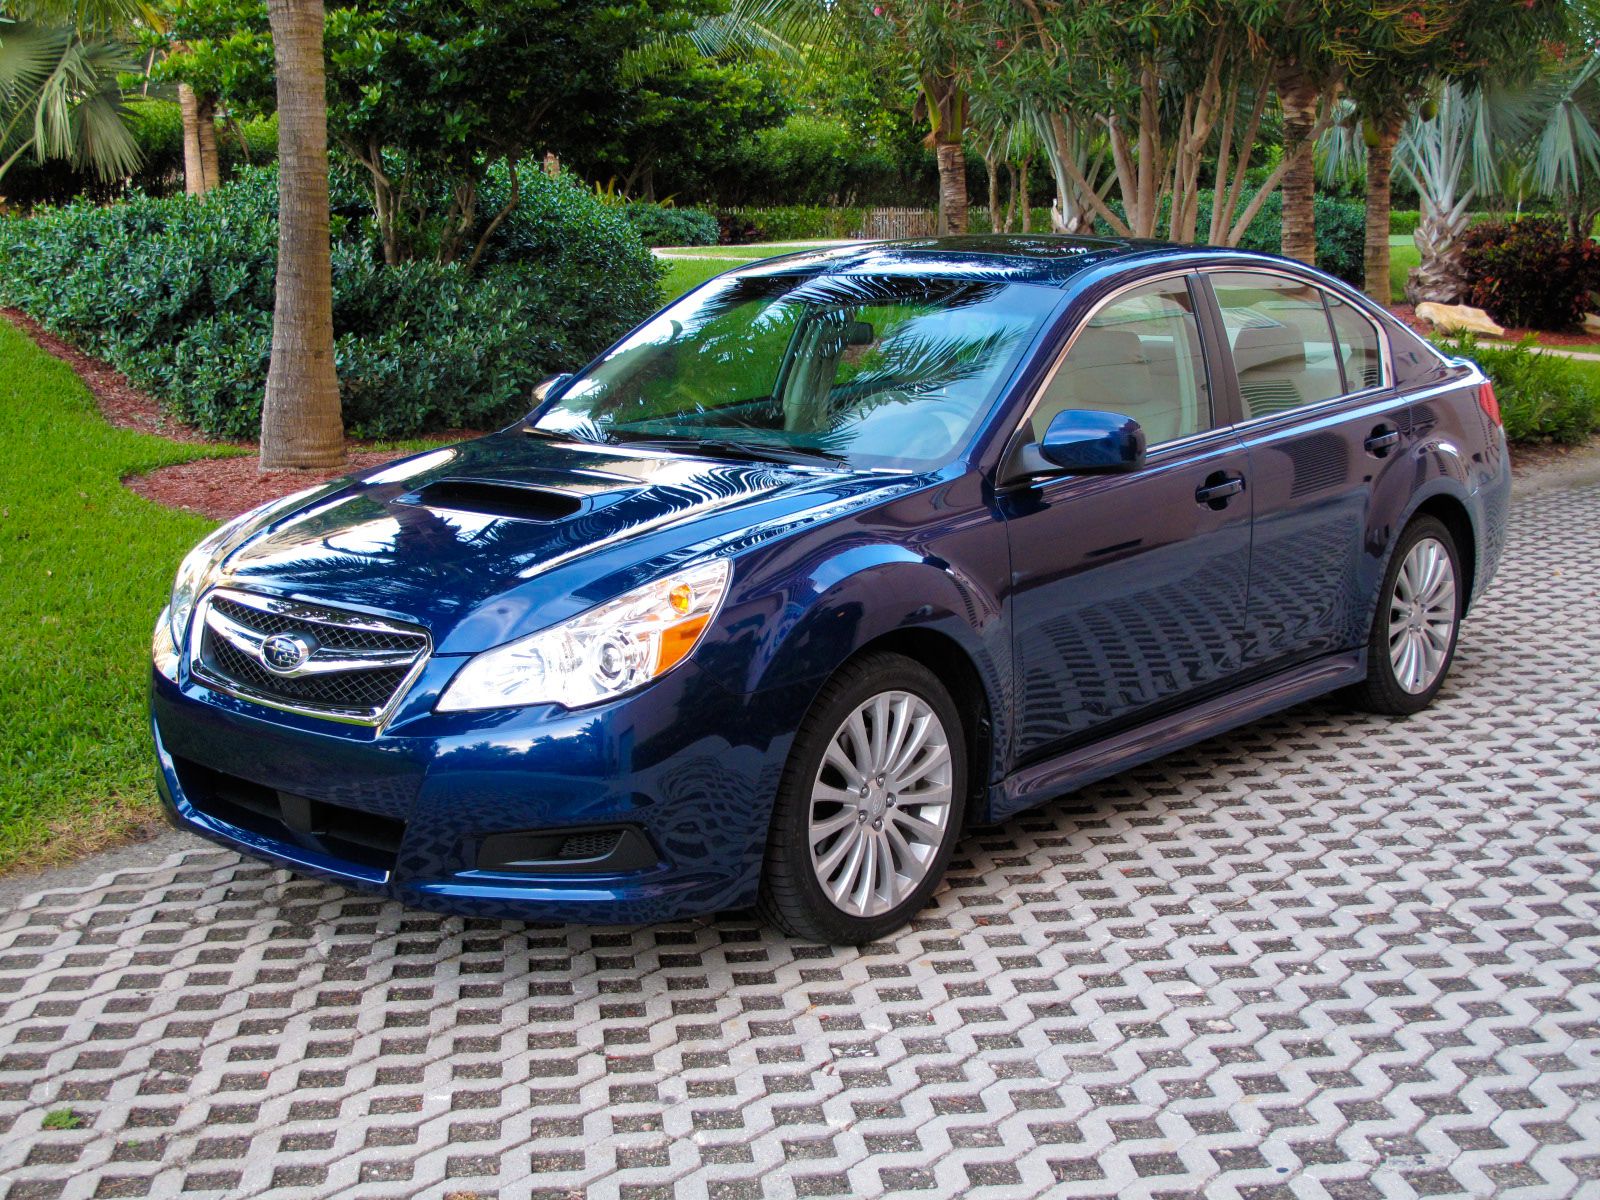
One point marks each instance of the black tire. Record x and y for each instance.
(1382, 690)
(792, 898)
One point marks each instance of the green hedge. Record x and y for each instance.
(1341, 230)
(1543, 397)
(978, 220)
(790, 223)
(666, 226)
(178, 294)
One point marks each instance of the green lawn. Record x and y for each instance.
(1403, 257)
(685, 273)
(85, 566)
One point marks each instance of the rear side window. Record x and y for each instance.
(1140, 356)
(1282, 341)
(1358, 346)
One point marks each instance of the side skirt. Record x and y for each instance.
(1078, 768)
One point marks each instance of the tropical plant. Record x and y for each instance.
(59, 95)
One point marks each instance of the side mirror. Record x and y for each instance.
(1083, 442)
(542, 389)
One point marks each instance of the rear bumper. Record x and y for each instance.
(416, 811)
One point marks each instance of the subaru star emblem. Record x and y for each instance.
(284, 652)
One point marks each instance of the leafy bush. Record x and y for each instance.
(178, 294)
(1528, 273)
(1543, 397)
(663, 226)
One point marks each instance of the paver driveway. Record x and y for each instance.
(1329, 955)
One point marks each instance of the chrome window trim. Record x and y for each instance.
(316, 614)
(1072, 340)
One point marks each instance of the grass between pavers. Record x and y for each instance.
(85, 566)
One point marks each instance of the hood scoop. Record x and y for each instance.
(489, 498)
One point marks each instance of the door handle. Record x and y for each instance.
(1382, 441)
(1217, 489)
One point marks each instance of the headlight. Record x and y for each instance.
(195, 570)
(163, 650)
(599, 654)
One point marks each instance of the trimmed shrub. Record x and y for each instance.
(1528, 273)
(665, 226)
(1543, 397)
(1404, 220)
(178, 294)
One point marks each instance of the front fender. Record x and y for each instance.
(787, 639)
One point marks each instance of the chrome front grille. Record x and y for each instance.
(304, 657)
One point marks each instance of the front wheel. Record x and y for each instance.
(870, 805)
(1414, 631)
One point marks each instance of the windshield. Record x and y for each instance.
(876, 371)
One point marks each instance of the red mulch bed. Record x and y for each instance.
(1545, 337)
(218, 488)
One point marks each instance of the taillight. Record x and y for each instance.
(1487, 401)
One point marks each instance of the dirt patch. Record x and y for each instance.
(120, 403)
(220, 488)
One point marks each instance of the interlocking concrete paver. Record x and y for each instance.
(1327, 956)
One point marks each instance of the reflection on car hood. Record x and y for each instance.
(491, 539)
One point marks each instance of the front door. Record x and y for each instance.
(1129, 590)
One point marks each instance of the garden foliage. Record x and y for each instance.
(1529, 273)
(1543, 397)
(178, 293)
(663, 225)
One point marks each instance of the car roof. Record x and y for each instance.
(1044, 258)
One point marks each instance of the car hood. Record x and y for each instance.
(491, 539)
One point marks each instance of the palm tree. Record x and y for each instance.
(59, 97)
(301, 426)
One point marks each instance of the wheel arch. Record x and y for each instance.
(1453, 514)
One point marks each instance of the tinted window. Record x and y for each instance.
(1140, 356)
(1283, 346)
(883, 371)
(1358, 346)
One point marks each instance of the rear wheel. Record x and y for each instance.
(1413, 639)
(870, 805)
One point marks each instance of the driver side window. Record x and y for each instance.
(1139, 355)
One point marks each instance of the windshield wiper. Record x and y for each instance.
(730, 448)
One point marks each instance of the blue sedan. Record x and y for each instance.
(836, 556)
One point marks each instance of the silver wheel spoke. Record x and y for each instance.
(822, 830)
(872, 843)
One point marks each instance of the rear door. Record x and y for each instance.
(1321, 426)
(1128, 591)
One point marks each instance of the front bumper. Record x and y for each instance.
(684, 767)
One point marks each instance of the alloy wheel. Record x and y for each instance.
(880, 803)
(1422, 616)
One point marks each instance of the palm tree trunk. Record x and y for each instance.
(300, 422)
(1027, 202)
(1380, 160)
(952, 186)
(199, 137)
(1297, 95)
